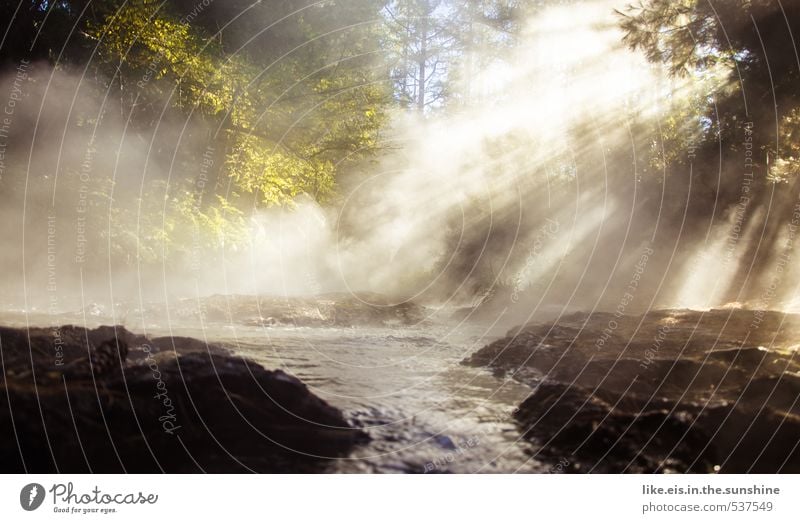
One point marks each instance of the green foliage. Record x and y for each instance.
(787, 166)
(735, 63)
(277, 177)
(288, 124)
(673, 32)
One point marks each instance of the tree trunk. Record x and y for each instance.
(422, 62)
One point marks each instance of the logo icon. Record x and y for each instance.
(31, 496)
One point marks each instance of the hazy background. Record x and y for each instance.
(558, 169)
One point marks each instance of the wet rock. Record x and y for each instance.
(760, 359)
(780, 392)
(760, 440)
(660, 436)
(167, 404)
(666, 391)
(600, 437)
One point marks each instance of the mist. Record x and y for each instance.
(534, 198)
(413, 236)
(537, 200)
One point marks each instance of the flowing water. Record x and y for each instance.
(404, 385)
(424, 411)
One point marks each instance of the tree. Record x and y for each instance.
(744, 41)
(422, 40)
(288, 95)
(441, 49)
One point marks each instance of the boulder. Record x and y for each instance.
(106, 400)
(666, 391)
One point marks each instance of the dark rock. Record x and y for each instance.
(168, 404)
(666, 391)
(567, 420)
(570, 421)
(756, 358)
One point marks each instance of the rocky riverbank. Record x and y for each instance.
(672, 390)
(337, 310)
(107, 400)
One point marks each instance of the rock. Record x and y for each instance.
(167, 404)
(761, 359)
(325, 310)
(660, 436)
(667, 391)
(570, 421)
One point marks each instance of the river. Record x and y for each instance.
(424, 411)
(405, 386)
